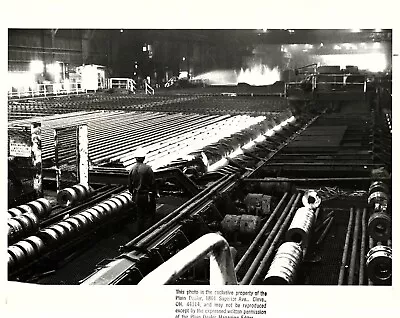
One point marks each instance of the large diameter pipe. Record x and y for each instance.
(73, 195)
(380, 226)
(284, 265)
(255, 264)
(379, 265)
(300, 228)
(346, 248)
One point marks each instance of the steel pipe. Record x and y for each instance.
(284, 265)
(300, 228)
(346, 248)
(354, 249)
(379, 265)
(380, 226)
(255, 264)
(363, 247)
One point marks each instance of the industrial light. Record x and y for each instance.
(144, 48)
(183, 58)
(54, 68)
(121, 30)
(291, 31)
(321, 45)
(36, 67)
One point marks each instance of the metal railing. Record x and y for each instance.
(333, 81)
(121, 82)
(48, 89)
(148, 89)
(222, 271)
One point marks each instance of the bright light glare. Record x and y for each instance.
(376, 45)
(374, 62)
(337, 47)
(54, 68)
(355, 30)
(36, 67)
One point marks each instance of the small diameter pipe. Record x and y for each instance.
(346, 248)
(351, 278)
(271, 249)
(326, 230)
(260, 254)
(260, 234)
(363, 245)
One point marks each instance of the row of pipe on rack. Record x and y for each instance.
(379, 258)
(55, 235)
(24, 220)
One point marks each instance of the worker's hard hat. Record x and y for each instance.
(140, 152)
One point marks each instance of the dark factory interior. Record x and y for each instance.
(270, 150)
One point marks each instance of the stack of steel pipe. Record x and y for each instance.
(175, 136)
(73, 195)
(24, 219)
(378, 260)
(57, 234)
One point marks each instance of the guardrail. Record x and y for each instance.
(222, 271)
(122, 82)
(49, 89)
(148, 89)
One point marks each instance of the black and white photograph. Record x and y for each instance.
(226, 162)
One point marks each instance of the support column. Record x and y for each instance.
(83, 155)
(36, 156)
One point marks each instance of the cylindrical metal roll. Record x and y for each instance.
(258, 204)
(378, 200)
(101, 210)
(118, 203)
(17, 253)
(81, 191)
(26, 222)
(94, 214)
(311, 199)
(284, 266)
(61, 231)
(84, 221)
(114, 206)
(249, 224)
(89, 216)
(300, 228)
(11, 261)
(46, 204)
(67, 197)
(243, 224)
(14, 212)
(34, 220)
(69, 228)
(49, 236)
(38, 208)
(75, 223)
(380, 226)
(379, 265)
(25, 208)
(27, 248)
(105, 207)
(378, 186)
(15, 230)
(37, 243)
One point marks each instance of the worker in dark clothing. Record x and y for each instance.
(142, 186)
